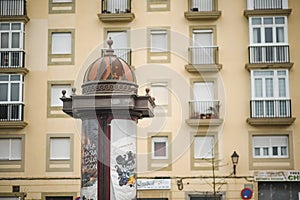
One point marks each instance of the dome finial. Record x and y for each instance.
(109, 43)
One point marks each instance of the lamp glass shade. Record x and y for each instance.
(235, 158)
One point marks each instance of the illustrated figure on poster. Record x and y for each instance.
(125, 168)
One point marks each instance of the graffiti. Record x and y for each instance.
(125, 169)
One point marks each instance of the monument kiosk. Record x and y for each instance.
(109, 108)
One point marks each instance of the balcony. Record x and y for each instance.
(267, 7)
(203, 59)
(123, 53)
(11, 116)
(12, 61)
(269, 56)
(116, 11)
(270, 112)
(13, 10)
(204, 113)
(202, 10)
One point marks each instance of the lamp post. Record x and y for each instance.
(235, 160)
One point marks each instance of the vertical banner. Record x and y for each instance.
(123, 159)
(89, 157)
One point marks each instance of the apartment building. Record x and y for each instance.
(223, 74)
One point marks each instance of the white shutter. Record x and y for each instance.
(204, 147)
(61, 43)
(4, 149)
(159, 41)
(119, 38)
(161, 93)
(60, 148)
(16, 149)
(56, 94)
(204, 91)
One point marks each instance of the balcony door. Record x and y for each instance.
(202, 50)
(270, 94)
(203, 98)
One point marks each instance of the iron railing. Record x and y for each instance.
(12, 7)
(203, 55)
(11, 112)
(204, 109)
(116, 6)
(269, 54)
(202, 5)
(270, 108)
(123, 53)
(266, 4)
(12, 59)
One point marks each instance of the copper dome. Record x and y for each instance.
(109, 74)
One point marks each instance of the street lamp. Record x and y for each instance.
(235, 160)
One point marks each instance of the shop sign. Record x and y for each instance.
(153, 184)
(277, 176)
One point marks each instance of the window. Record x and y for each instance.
(159, 41)
(159, 151)
(11, 97)
(61, 47)
(159, 147)
(270, 147)
(270, 93)
(204, 147)
(12, 153)
(61, 43)
(10, 148)
(60, 148)
(11, 44)
(59, 152)
(268, 40)
(159, 45)
(61, 6)
(55, 89)
(268, 30)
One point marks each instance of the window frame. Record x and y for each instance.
(56, 111)
(61, 59)
(9, 83)
(59, 165)
(262, 27)
(159, 139)
(14, 165)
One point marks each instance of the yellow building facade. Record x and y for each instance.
(223, 74)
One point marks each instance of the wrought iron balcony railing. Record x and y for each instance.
(11, 111)
(116, 6)
(11, 59)
(267, 4)
(204, 109)
(277, 108)
(203, 55)
(12, 7)
(202, 5)
(123, 53)
(269, 54)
